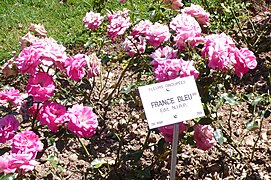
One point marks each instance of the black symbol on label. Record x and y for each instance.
(175, 116)
(167, 89)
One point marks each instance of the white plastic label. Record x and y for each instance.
(171, 101)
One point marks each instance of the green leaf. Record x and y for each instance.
(218, 134)
(134, 155)
(229, 98)
(252, 125)
(53, 160)
(257, 100)
(97, 163)
(9, 176)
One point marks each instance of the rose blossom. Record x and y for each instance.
(28, 60)
(117, 27)
(9, 163)
(157, 33)
(26, 142)
(41, 86)
(203, 135)
(243, 61)
(8, 125)
(11, 96)
(82, 121)
(164, 53)
(197, 12)
(51, 115)
(134, 46)
(218, 48)
(187, 30)
(27, 40)
(172, 68)
(188, 69)
(94, 65)
(141, 28)
(92, 20)
(75, 67)
(51, 53)
(167, 131)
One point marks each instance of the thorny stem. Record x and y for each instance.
(146, 140)
(229, 121)
(239, 27)
(259, 135)
(119, 80)
(35, 116)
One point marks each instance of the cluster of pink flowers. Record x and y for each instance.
(167, 131)
(204, 137)
(197, 12)
(93, 20)
(188, 31)
(24, 148)
(119, 23)
(79, 119)
(223, 55)
(8, 126)
(167, 67)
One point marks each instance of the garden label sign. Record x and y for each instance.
(171, 101)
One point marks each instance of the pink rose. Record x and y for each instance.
(197, 12)
(82, 121)
(157, 33)
(50, 52)
(188, 69)
(94, 65)
(167, 131)
(141, 28)
(10, 163)
(41, 86)
(28, 60)
(27, 40)
(11, 96)
(92, 20)
(134, 46)
(203, 135)
(243, 61)
(169, 69)
(26, 142)
(75, 67)
(117, 27)
(164, 53)
(51, 115)
(187, 30)
(8, 126)
(166, 69)
(218, 49)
